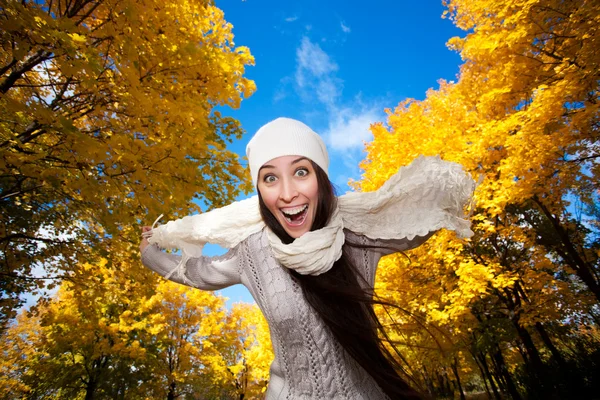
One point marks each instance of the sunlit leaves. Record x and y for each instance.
(108, 121)
(107, 335)
(523, 116)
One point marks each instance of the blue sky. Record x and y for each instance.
(336, 65)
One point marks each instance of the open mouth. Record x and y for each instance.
(295, 216)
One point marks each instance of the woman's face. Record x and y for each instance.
(289, 189)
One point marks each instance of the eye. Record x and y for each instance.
(269, 178)
(302, 172)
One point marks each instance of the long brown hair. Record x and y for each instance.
(342, 303)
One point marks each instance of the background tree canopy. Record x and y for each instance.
(517, 305)
(108, 116)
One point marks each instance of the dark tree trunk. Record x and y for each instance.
(90, 389)
(457, 376)
(25, 67)
(428, 381)
(539, 382)
(536, 367)
(503, 371)
(487, 376)
(171, 393)
(548, 342)
(448, 387)
(573, 380)
(566, 249)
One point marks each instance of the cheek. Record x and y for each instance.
(269, 198)
(313, 191)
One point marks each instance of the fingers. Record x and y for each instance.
(146, 233)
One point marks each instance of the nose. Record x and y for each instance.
(288, 191)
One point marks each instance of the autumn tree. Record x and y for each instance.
(182, 322)
(523, 116)
(108, 118)
(541, 93)
(242, 358)
(106, 335)
(85, 342)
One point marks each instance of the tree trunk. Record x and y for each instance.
(481, 355)
(487, 376)
(573, 381)
(543, 334)
(536, 367)
(457, 376)
(90, 389)
(503, 371)
(567, 251)
(541, 385)
(448, 387)
(171, 394)
(428, 381)
(555, 353)
(39, 57)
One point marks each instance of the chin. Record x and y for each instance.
(294, 233)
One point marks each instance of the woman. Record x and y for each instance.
(309, 258)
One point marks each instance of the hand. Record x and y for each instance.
(144, 243)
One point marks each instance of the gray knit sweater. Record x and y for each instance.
(309, 363)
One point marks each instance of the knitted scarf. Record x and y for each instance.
(425, 196)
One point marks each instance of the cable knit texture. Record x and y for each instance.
(425, 196)
(309, 363)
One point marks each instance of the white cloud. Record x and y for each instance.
(328, 91)
(291, 19)
(345, 28)
(48, 94)
(340, 180)
(279, 95)
(347, 123)
(315, 73)
(349, 127)
(40, 270)
(312, 58)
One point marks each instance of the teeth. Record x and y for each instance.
(295, 210)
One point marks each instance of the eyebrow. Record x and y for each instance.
(300, 159)
(293, 162)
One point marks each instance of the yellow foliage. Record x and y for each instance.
(108, 119)
(523, 115)
(104, 331)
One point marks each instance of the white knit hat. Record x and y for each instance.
(285, 137)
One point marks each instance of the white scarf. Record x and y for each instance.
(425, 196)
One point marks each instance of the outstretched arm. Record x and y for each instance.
(206, 273)
(389, 246)
(367, 252)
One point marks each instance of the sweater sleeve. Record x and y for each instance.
(206, 273)
(367, 252)
(383, 247)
